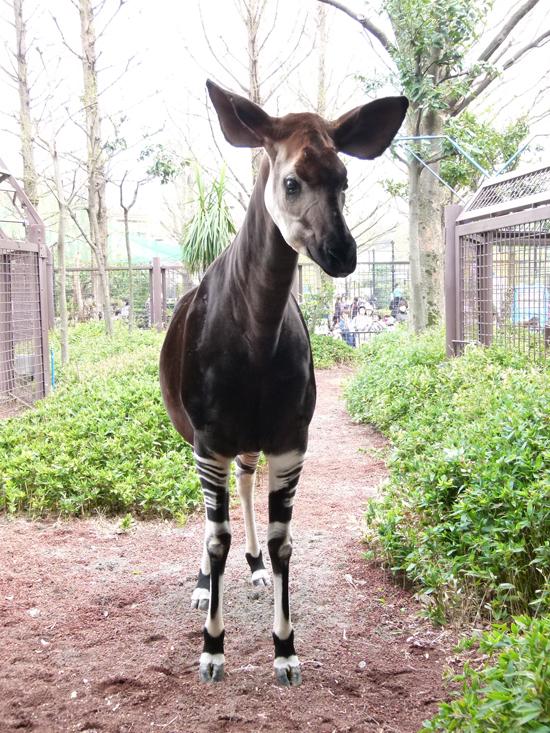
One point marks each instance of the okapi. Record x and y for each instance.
(236, 369)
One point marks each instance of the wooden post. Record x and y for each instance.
(452, 273)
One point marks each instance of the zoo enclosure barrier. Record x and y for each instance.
(157, 288)
(497, 266)
(373, 281)
(24, 302)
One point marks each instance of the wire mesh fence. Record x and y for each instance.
(373, 282)
(21, 355)
(498, 292)
(156, 287)
(24, 366)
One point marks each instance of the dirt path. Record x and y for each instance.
(96, 633)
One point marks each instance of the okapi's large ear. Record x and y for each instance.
(366, 131)
(243, 123)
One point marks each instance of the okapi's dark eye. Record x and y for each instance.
(291, 186)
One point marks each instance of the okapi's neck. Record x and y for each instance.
(263, 265)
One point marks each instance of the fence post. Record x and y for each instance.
(51, 289)
(156, 295)
(452, 274)
(43, 290)
(298, 284)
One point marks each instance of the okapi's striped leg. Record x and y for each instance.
(214, 476)
(246, 478)
(284, 472)
(201, 592)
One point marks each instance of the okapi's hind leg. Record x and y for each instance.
(246, 477)
(213, 472)
(284, 472)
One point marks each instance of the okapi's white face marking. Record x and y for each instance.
(305, 198)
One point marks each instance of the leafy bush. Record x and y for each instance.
(328, 352)
(103, 440)
(317, 306)
(511, 694)
(466, 513)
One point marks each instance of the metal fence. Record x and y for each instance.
(157, 287)
(498, 266)
(372, 281)
(24, 316)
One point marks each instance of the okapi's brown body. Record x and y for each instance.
(236, 369)
(245, 381)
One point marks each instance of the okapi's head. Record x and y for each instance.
(304, 193)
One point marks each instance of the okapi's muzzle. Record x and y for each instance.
(335, 253)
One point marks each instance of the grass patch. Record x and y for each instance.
(511, 692)
(330, 352)
(466, 513)
(102, 441)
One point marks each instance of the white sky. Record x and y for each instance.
(164, 87)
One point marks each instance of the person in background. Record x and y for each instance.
(337, 311)
(354, 307)
(361, 324)
(344, 324)
(377, 325)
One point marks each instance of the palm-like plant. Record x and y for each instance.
(210, 229)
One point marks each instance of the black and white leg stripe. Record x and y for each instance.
(246, 474)
(284, 473)
(213, 472)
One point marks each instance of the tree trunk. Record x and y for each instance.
(63, 326)
(253, 19)
(130, 271)
(25, 120)
(322, 42)
(77, 290)
(426, 245)
(97, 208)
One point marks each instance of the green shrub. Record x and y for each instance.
(102, 441)
(466, 513)
(511, 694)
(328, 352)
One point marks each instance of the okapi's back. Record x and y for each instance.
(171, 365)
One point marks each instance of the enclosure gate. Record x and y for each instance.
(24, 316)
(497, 273)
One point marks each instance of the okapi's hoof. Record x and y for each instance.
(200, 599)
(260, 579)
(211, 667)
(287, 671)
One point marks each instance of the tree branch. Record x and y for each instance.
(506, 29)
(365, 23)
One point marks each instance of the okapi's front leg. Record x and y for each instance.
(246, 475)
(284, 472)
(214, 476)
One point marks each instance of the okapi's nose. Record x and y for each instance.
(343, 256)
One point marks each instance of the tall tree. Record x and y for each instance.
(97, 182)
(255, 76)
(431, 54)
(19, 75)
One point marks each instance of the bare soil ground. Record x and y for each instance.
(97, 634)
